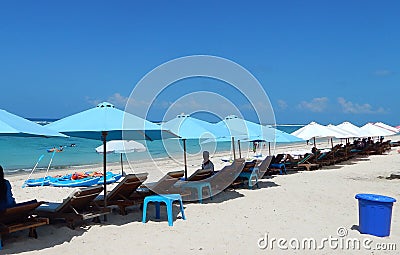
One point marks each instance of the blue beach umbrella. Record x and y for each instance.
(237, 127)
(105, 122)
(13, 125)
(191, 128)
(244, 130)
(283, 137)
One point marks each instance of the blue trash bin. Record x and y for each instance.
(375, 214)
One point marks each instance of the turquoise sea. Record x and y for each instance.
(21, 154)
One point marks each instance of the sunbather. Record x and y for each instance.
(6, 197)
(207, 164)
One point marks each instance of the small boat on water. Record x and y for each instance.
(44, 181)
(74, 180)
(85, 182)
(110, 178)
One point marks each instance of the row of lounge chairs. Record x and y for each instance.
(88, 203)
(338, 154)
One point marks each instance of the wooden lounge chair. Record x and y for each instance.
(263, 166)
(248, 174)
(277, 164)
(21, 217)
(200, 174)
(253, 171)
(77, 207)
(164, 186)
(303, 163)
(122, 195)
(227, 176)
(205, 180)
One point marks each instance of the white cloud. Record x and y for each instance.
(350, 107)
(317, 104)
(118, 100)
(282, 104)
(383, 72)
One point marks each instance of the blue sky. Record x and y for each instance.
(328, 61)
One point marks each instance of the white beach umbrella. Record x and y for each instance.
(121, 147)
(351, 128)
(343, 133)
(315, 130)
(385, 126)
(376, 131)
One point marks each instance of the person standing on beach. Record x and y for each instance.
(207, 164)
(6, 198)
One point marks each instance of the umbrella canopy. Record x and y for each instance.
(119, 125)
(283, 137)
(234, 126)
(344, 133)
(376, 131)
(351, 128)
(105, 122)
(315, 130)
(191, 128)
(122, 146)
(13, 125)
(398, 128)
(387, 127)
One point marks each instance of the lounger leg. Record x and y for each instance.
(122, 210)
(157, 205)
(144, 211)
(96, 219)
(33, 233)
(182, 209)
(209, 190)
(1, 243)
(169, 212)
(257, 182)
(200, 194)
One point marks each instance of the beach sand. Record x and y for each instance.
(295, 206)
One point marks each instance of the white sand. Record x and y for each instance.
(299, 205)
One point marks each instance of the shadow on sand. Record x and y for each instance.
(12, 243)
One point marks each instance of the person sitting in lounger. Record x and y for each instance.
(6, 197)
(207, 164)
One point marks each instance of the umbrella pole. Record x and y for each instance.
(315, 145)
(269, 148)
(104, 136)
(233, 148)
(332, 142)
(240, 151)
(122, 166)
(184, 157)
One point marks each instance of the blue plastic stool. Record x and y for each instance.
(250, 176)
(168, 199)
(199, 185)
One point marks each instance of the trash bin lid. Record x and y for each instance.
(376, 198)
